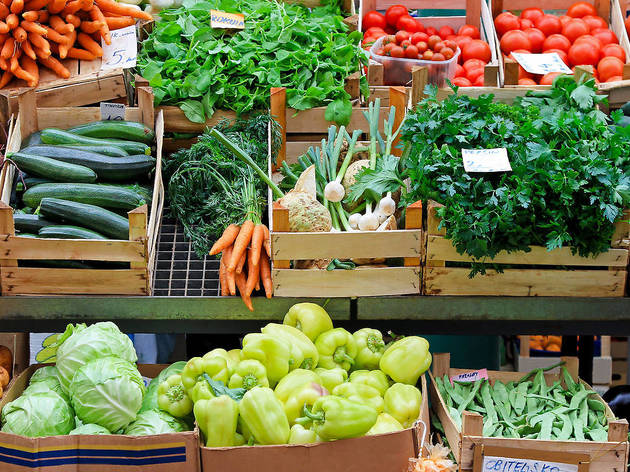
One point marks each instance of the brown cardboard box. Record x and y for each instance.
(382, 453)
(178, 452)
(18, 345)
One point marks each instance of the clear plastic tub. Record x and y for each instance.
(397, 70)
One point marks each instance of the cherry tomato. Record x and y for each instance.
(368, 41)
(406, 23)
(431, 31)
(461, 82)
(536, 38)
(557, 41)
(438, 56)
(580, 9)
(527, 82)
(427, 55)
(438, 47)
(448, 53)
(563, 54)
(532, 14)
(524, 23)
(402, 36)
(449, 43)
(575, 28)
(445, 31)
(564, 19)
(609, 67)
(422, 46)
(373, 19)
(547, 79)
(419, 26)
(418, 37)
(390, 38)
(405, 44)
(505, 22)
(469, 30)
(583, 53)
(433, 40)
(394, 12)
(515, 40)
(595, 22)
(397, 51)
(614, 50)
(605, 36)
(473, 64)
(380, 52)
(388, 48)
(615, 78)
(477, 49)
(459, 71)
(411, 52)
(549, 24)
(472, 74)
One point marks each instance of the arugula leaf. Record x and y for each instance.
(193, 111)
(219, 388)
(339, 111)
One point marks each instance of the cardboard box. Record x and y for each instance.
(18, 345)
(97, 453)
(381, 453)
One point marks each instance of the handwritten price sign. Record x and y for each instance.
(542, 63)
(486, 160)
(506, 464)
(123, 51)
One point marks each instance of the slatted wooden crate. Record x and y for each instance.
(138, 251)
(469, 446)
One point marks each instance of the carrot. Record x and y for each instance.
(56, 6)
(114, 23)
(6, 78)
(253, 272)
(6, 3)
(71, 7)
(13, 63)
(265, 275)
(227, 238)
(4, 65)
(4, 11)
(241, 243)
(73, 20)
(28, 50)
(267, 241)
(8, 48)
(223, 278)
(97, 15)
(39, 42)
(86, 5)
(43, 16)
(17, 6)
(32, 27)
(90, 27)
(80, 54)
(55, 66)
(64, 49)
(35, 5)
(52, 35)
(241, 262)
(257, 241)
(30, 67)
(30, 15)
(4, 28)
(12, 21)
(89, 44)
(60, 26)
(19, 34)
(112, 6)
(231, 281)
(241, 283)
(258, 282)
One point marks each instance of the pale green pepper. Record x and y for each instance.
(337, 348)
(300, 435)
(335, 417)
(370, 348)
(264, 416)
(403, 402)
(296, 338)
(306, 395)
(361, 393)
(224, 354)
(385, 423)
(406, 359)
(235, 355)
(309, 318)
(330, 378)
(201, 391)
(217, 418)
(272, 352)
(294, 381)
(172, 397)
(194, 370)
(248, 374)
(239, 439)
(374, 378)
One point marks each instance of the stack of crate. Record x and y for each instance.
(619, 353)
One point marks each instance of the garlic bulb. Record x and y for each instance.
(387, 205)
(334, 191)
(369, 221)
(354, 220)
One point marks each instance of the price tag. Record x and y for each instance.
(542, 63)
(221, 19)
(123, 50)
(486, 160)
(472, 376)
(112, 111)
(505, 464)
(488, 458)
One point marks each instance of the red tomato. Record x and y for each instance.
(473, 64)
(524, 23)
(469, 30)
(536, 38)
(438, 47)
(580, 9)
(515, 40)
(505, 22)
(394, 12)
(388, 47)
(405, 44)
(532, 14)
(411, 52)
(402, 36)
(418, 37)
(450, 44)
(477, 49)
(433, 40)
(563, 54)
(459, 71)
(575, 28)
(431, 31)
(597, 44)
(547, 79)
(583, 53)
(472, 74)
(375, 30)
(446, 31)
(549, 24)
(609, 67)
(422, 46)
(390, 38)
(397, 51)
(615, 78)
(461, 82)
(448, 53)
(451, 37)
(406, 23)
(527, 82)
(462, 41)
(380, 52)
(480, 81)
(595, 22)
(427, 55)
(373, 19)
(419, 26)
(438, 56)
(557, 41)
(564, 19)
(605, 36)
(614, 50)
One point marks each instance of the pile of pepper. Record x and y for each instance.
(300, 382)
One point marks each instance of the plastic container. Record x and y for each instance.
(397, 70)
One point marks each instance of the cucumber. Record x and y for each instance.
(99, 149)
(89, 216)
(68, 232)
(25, 223)
(129, 130)
(106, 167)
(35, 138)
(59, 136)
(626, 109)
(52, 169)
(107, 196)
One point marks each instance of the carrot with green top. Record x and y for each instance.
(227, 239)
(241, 283)
(253, 272)
(265, 275)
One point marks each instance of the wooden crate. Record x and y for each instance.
(287, 246)
(139, 250)
(469, 445)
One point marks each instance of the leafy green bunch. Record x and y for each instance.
(570, 170)
(201, 69)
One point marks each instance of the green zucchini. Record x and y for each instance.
(89, 216)
(35, 138)
(69, 232)
(32, 181)
(115, 129)
(52, 169)
(25, 223)
(106, 167)
(106, 196)
(99, 149)
(626, 109)
(59, 136)
(27, 235)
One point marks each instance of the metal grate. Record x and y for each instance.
(179, 272)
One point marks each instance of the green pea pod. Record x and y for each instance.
(596, 405)
(546, 426)
(488, 403)
(462, 406)
(568, 380)
(567, 429)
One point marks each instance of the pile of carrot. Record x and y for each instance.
(240, 245)
(41, 32)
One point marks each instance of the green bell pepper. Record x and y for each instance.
(264, 416)
(272, 352)
(216, 368)
(294, 381)
(403, 402)
(374, 378)
(242, 429)
(306, 395)
(385, 423)
(309, 318)
(172, 397)
(248, 374)
(300, 435)
(224, 354)
(296, 338)
(201, 391)
(361, 393)
(235, 355)
(335, 417)
(330, 378)
(406, 359)
(337, 348)
(370, 348)
(217, 419)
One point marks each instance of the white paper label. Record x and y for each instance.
(542, 63)
(506, 464)
(221, 19)
(123, 50)
(472, 376)
(112, 111)
(486, 160)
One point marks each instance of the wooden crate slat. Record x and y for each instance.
(346, 283)
(15, 247)
(53, 116)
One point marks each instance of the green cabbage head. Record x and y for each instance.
(38, 414)
(90, 428)
(155, 422)
(48, 384)
(44, 373)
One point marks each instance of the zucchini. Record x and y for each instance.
(27, 235)
(129, 130)
(106, 167)
(25, 223)
(626, 109)
(89, 216)
(68, 232)
(59, 136)
(52, 168)
(35, 138)
(32, 181)
(99, 149)
(107, 196)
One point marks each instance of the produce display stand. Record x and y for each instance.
(143, 228)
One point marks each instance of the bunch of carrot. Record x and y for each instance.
(31, 31)
(246, 244)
